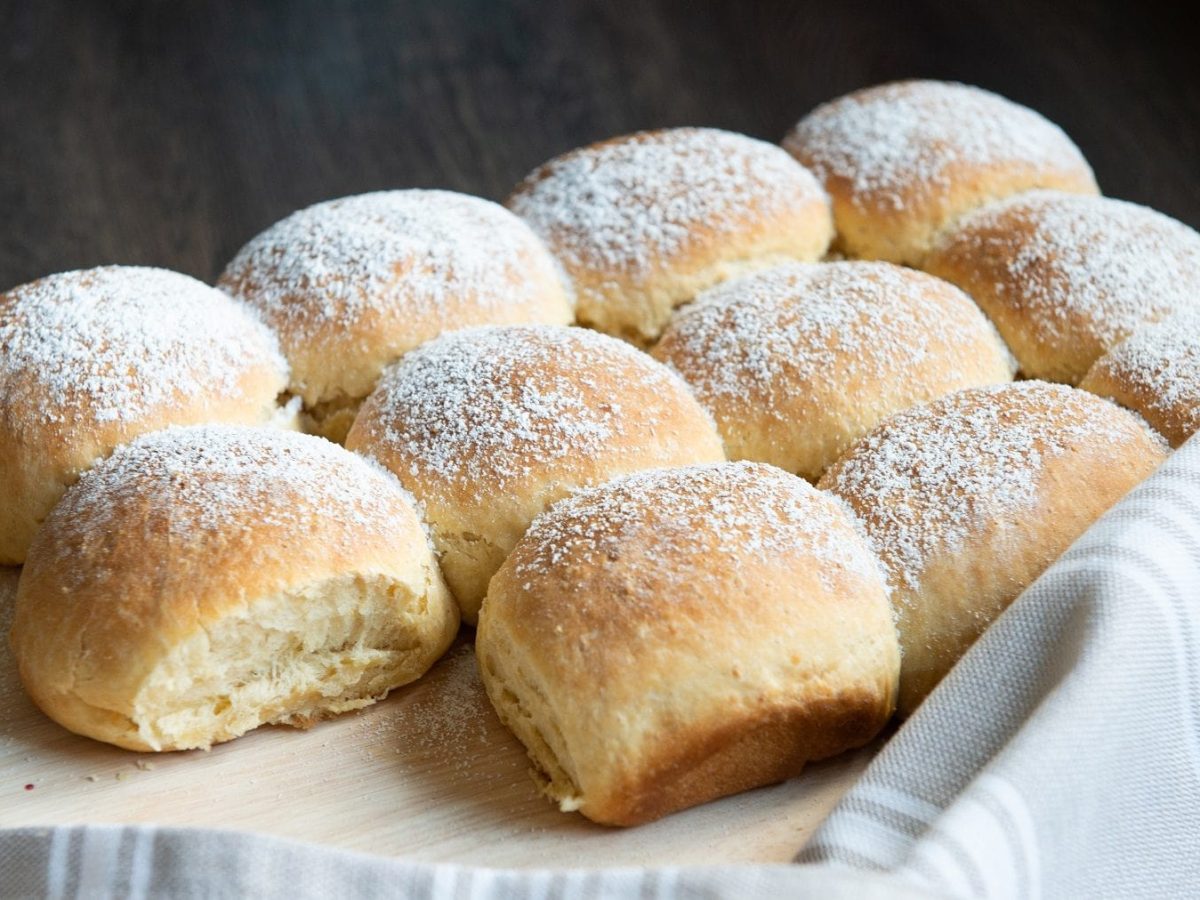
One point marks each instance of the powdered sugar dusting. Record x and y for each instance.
(225, 481)
(485, 406)
(826, 325)
(930, 477)
(1161, 364)
(1109, 264)
(116, 344)
(412, 250)
(898, 142)
(728, 512)
(625, 204)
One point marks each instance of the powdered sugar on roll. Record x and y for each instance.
(210, 478)
(1156, 372)
(797, 362)
(731, 511)
(930, 478)
(115, 344)
(352, 284)
(1067, 277)
(644, 222)
(892, 140)
(92, 359)
(902, 161)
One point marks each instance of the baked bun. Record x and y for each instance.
(903, 160)
(678, 635)
(1156, 373)
(489, 426)
(645, 222)
(92, 359)
(968, 499)
(1066, 278)
(352, 284)
(203, 581)
(797, 362)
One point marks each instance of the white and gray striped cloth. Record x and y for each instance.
(1060, 758)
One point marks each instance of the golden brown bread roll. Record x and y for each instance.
(797, 362)
(645, 222)
(968, 499)
(678, 635)
(203, 581)
(901, 161)
(1065, 278)
(489, 426)
(350, 285)
(92, 359)
(1156, 373)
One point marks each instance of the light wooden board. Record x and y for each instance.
(429, 774)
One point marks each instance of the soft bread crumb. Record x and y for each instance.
(293, 659)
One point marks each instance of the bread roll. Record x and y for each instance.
(352, 284)
(1066, 278)
(1156, 373)
(797, 362)
(645, 222)
(968, 499)
(901, 161)
(204, 581)
(92, 359)
(678, 635)
(489, 426)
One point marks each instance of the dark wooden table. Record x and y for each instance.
(168, 133)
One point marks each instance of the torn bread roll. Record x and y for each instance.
(645, 222)
(901, 161)
(1066, 278)
(92, 359)
(350, 285)
(203, 581)
(679, 635)
(970, 498)
(797, 362)
(489, 426)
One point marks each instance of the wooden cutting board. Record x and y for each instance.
(429, 774)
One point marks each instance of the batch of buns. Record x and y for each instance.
(590, 425)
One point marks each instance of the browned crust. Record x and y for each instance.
(732, 755)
